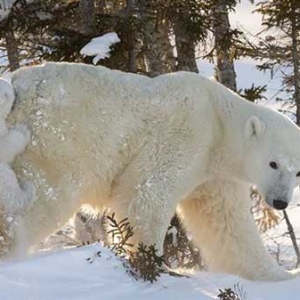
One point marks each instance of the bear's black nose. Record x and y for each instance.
(279, 204)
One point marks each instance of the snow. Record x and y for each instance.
(100, 46)
(79, 273)
(68, 275)
(277, 239)
(5, 7)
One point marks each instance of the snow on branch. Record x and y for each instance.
(5, 7)
(100, 46)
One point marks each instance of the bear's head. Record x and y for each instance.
(272, 157)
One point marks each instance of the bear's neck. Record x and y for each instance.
(228, 155)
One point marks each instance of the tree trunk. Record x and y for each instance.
(293, 237)
(101, 4)
(186, 58)
(12, 49)
(225, 72)
(295, 58)
(156, 43)
(131, 38)
(88, 15)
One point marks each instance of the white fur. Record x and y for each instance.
(14, 198)
(140, 146)
(12, 141)
(89, 226)
(223, 227)
(20, 197)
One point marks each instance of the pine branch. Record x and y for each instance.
(293, 236)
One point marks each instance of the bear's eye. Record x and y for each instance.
(274, 165)
(298, 174)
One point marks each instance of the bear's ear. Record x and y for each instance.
(254, 127)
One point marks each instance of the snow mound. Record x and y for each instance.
(100, 46)
(69, 275)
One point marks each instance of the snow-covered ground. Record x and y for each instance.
(67, 275)
(277, 239)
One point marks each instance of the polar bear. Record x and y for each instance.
(146, 146)
(12, 142)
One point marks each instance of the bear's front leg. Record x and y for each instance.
(149, 189)
(218, 216)
(150, 213)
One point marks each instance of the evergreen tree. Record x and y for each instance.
(281, 48)
(190, 25)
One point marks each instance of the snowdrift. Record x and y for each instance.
(80, 274)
